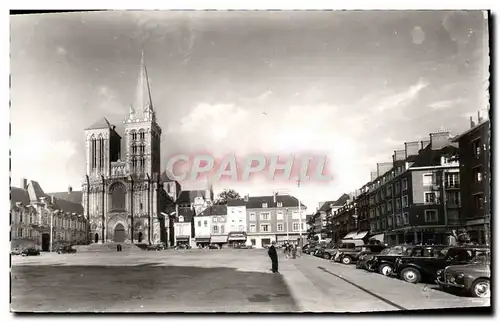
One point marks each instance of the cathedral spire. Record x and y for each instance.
(143, 104)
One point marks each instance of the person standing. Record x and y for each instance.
(274, 257)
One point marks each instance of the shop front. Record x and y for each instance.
(182, 240)
(219, 240)
(236, 238)
(479, 231)
(202, 241)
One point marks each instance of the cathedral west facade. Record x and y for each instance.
(123, 192)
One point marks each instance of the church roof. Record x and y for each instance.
(73, 196)
(102, 123)
(188, 196)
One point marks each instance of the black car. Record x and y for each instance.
(366, 256)
(352, 255)
(30, 252)
(384, 262)
(66, 250)
(417, 268)
(156, 247)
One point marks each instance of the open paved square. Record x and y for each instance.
(210, 281)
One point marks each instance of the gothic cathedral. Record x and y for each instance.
(123, 193)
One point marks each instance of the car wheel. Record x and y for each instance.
(410, 275)
(326, 256)
(385, 269)
(481, 288)
(346, 260)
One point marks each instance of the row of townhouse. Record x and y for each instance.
(255, 221)
(33, 212)
(429, 189)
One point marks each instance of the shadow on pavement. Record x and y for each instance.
(146, 288)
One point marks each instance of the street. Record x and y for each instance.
(227, 280)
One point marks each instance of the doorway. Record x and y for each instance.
(45, 242)
(119, 233)
(96, 238)
(140, 237)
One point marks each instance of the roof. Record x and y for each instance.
(188, 196)
(236, 202)
(101, 123)
(286, 200)
(479, 125)
(217, 210)
(187, 213)
(429, 157)
(19, 195)
(337, 203)
(74, 196)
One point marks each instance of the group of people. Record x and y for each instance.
(289, 249)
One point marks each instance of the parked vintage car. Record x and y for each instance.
(16, 251)
(384, 263)
(334, 250)
(473, 279)
(243, 246)
(156, 247)
(367, 257)
(30, 252)
(66, 250)
(417, 268)
(182, 246)
(351, 255)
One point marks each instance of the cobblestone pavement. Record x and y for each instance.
(207, 281)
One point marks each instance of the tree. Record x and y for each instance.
(226, 195)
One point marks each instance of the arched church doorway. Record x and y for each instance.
(96, 237)
(140, 237)
(119, 233)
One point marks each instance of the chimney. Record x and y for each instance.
(274, 196)
(439, 140)
(479, 118)
(383, 167)
(373, 175)
(52, 199)
(24, 183)
(399, 155)
(246, 197)
(472, 124)
(412, 148)
(424, 144)
(70, 189)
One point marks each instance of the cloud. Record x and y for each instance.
(108, 101)
(402, 98)
(441, 105)
(61, 51)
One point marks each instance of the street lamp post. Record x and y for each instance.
(287, 224)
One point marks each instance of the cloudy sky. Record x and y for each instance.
(352, 85)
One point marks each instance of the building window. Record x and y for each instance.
(398, 220)
(199, 223)
(404, 184)
(389, 222)
(452, 180)
(429, 197)
(279, 227)
(240, 228)
(302, 226)
(252, 228)
(427, 179)
(214, 219)
(389, 206)
(264, 216)
(280, 204)
(477, 173)
(181, 218)
(216, 229)
(252, 216)
(476, 148)
(222, 229)
(279, 215)
(264, 228)
(406, 219)
(405, 201)
(453, 198)
(241, 220)
(295, 226)
(431, 216)
(205, 223)
(221, 219)
(398, 204)
(264, 205)
(389, 190)
(397, 187)
(479, 201)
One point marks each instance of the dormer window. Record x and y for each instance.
(181, 218)
(264, 205)
(280, 204)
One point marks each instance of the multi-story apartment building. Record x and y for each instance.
(275, 218)
(202, 228)
(33, 212)
(183, 227)
(218, 224)
(237, 220)
(413, 199)
(475, 179)
(322, 217)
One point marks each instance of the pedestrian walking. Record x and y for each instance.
(274, 257)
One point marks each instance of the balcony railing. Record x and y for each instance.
(452, 185)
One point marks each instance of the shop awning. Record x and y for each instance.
(218, 239)
(284, 238)
(350, 235)
(202, 239)
(360, 235)
(182, 238)
(379, 237)
(237, 236)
